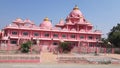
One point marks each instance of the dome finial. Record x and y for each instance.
(76, 8)
(46, 19)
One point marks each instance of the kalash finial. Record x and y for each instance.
(76, 8)
(46, 19)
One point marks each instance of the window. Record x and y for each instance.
(13, 42)
(34, 42)
(81, 37)
(98, 38)
(14, 33)
(55, 35)
(46, 35)
(90, 37)
(90, 44)
(25, 33)
(63, 36)
(55, 43)
(72, 36)
(36, 34)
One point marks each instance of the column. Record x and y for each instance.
(87, 47)
(77, 27)
(85, 27)
(8, 45)
(18, 41)
(79, 46)
(112, 50)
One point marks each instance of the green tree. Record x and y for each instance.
(65, 46)
(25, 47)
(114, 36)
(104, 42)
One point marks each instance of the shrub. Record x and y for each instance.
(65, 46)
(25, 47)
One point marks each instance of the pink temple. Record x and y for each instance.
(75, 28)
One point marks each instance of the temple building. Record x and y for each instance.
(75, 28)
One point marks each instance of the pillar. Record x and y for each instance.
(87, 47)
(79, 46)
(112, 50)
(104, 50)
(77, 27)
(18, 42)
(8, 45)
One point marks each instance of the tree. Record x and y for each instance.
(25, 47)
(65, 46)
(104, 42)
(114, 36)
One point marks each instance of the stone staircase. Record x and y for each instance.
(48, 57)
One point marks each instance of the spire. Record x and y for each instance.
(46, 19)
(76, 7)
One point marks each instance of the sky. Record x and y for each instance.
(103, 14)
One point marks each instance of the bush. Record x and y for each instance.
(25, 47)
(65, 46)
(105, 62)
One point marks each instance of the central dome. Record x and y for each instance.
(46, 23)
(75, 12)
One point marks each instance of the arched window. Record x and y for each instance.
(36, 34)
(90, 37)
(55, 43)
(63, 35)
(72, 36)
(14, 33)
(81, 37)
(46, 34)
(25, 33)
(55, 35)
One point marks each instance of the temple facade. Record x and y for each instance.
(75, 28)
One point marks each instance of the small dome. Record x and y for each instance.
(28, 21)
(18, 20)
(46, 23)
